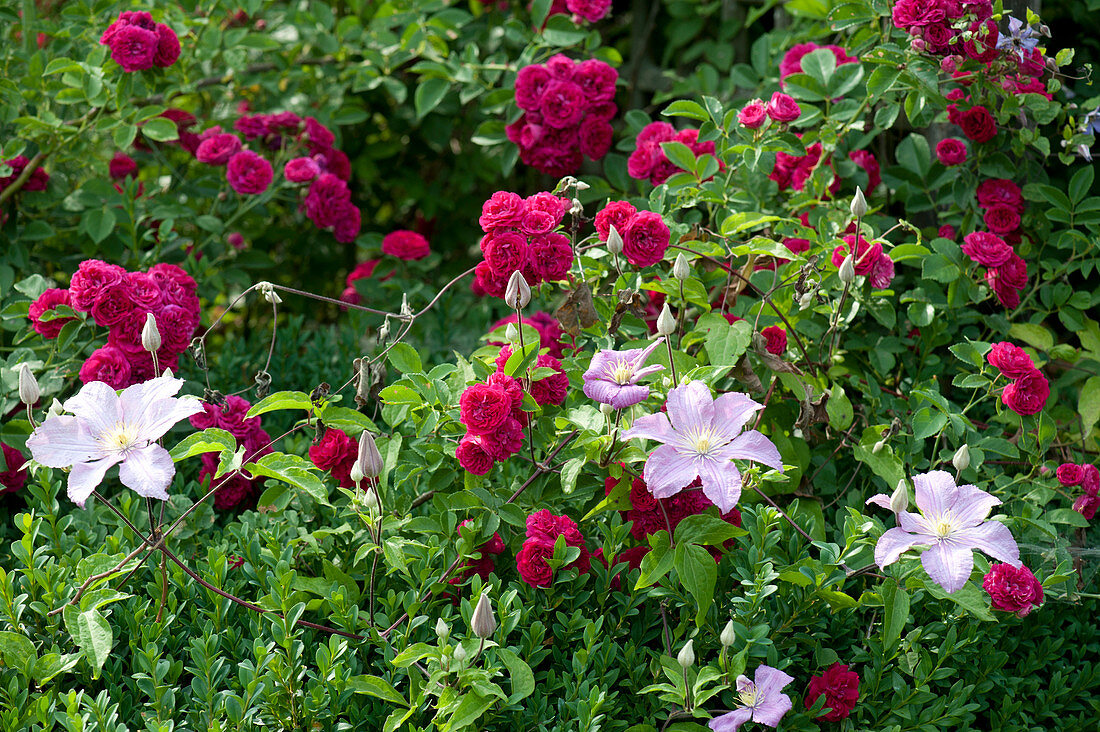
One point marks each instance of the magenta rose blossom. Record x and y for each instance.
(91, 280)
(551, 255)
(783, 108)
(988, 250)
(617, 214)
(840, 687)
(301, 170)
(531, 82)
(218, 149)
(13, 478)
(483, 408)
(951, 151)
(646, 239)
(407, 245)
(563, 104)
(503, 209)
(1000, 190)
(1010, 360)
(132, 47)
(122, 166)
(327, 200)
(335, 454)
(1002, 219)
(1070, 474)
(531, 564)
(249, 173)
(1013, 589)
(1028, 394)
(168, 47)
(776, 338)
(109, 365)
(753, 115)
(46, 302)
(472, 455)
(978, 124)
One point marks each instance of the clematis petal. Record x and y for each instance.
(892, 544)
(157, 417)
(721, 482)
(769, 681)
(881, 500)
(667, 472)
(731, 721)
(601, 390)
(994, 539)
(753, 445)
(936, 494)
(949, 564)
(61, 442)
(648, 370)
(772, 709)
(598, 366)
(691, 407)
(630, 395)
(84, 477)
(914, 523)
(972, 506)
(134, 399)
(733, 410)
(97, 406)
(148, 472)
(651, 427)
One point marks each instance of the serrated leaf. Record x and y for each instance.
(209, 440)
(280, 400)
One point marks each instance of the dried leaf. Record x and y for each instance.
(577, 311)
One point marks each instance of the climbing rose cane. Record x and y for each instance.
(762, 700)
(952, 524)
(107, 428)
(701, 436)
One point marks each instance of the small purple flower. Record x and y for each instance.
(1020, 38)
(762, 700)
(952, 524)
(701, 436)
(612, 377)
(107, 428)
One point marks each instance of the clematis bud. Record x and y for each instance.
(55, 410)
(580, 185)
(511, 333)
(666, 324)
(150, 334)
(859, 204)
(518, 293)
(369, 460)
(442, 629)
(899, 499)
(686, 656)
(370, 499)
(356, 474)
(847, 270)
(483, 622)
(879, 447)
(607, 409)
(459, 654)
(614, 241)
(28, 386)
(728, 635)
(961, 458)
(681, 270)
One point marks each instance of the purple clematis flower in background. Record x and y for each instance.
(701, 436)
(107, 428)
(952, 523)
(763, 700)
(612, 377)
(1020, 38)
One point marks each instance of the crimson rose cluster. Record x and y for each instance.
(649, 160)
(1028, 391)
(938, 26)
(868, 259)
(335, 454)
(543, 530)
(236, 492)
(1006, 272)
(645, 234)
(520, 235)
(590, 10)
(138, 43)
(37, 180)
(119, 301)
(13, 477)
(568, 109)
(1072, 475)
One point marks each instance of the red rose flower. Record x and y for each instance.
(978, 124)
(91, 280)
(249, 173)
(988, 250)
(1013, 589)
(551, 389)
(109, 365)
(646, 239)
(783, 108)
(1086, 505)
(1002, 219)
(617, 214)
(335, 454)
(407, 245)
(472, 455)
(484, 408)
(46, 302)
(753, 114)
(121, 166)
(841, 689)
(12, 478)
(1028, 394)
(301, 170)
(1010, 360)
(1000, 190)
(168, 47)
(951, 151)
(776, 338)
(551, 256)
(326, 200)
(531, 564)
(1070, 474)
(218, 148)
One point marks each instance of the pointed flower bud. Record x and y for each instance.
(728, 635)
(847, 270)
(483, 622)
(614, 240)
(28, 386)
(55, 410)
(511, 333)
(607, 409)
(878, 447)
(859, 204)
(459, 654)
(899, 499)
(370, 499)
(150, 334)
(442, 629)
(681, 270)
(580, 185)
(686, 656)
(961, 459)
(356, 474)
(666, 324)
(518, 293)
(369, 459)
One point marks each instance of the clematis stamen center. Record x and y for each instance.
(120, 438)
(622, 372)
(750, 696)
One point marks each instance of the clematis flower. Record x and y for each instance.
(762, 698)
(106, 428)
(612, 377)
(701, 437)
(952, 524)
(1020, 39)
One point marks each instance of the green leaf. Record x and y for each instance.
(98, 223)
(1066, 516)
(657, 562)
(209, 440)
(686, 108)
(699, 574)
(160, 129)
(281, 400)
(429, 94)
(292, 469)
(738, 222)
(53, 664)
(882, 79)
(16, 650)
(561, 31)
(93, 635)
(839, 408)
(472, 706)
(400, 394)
(969, 598)
(704, 529)
(1088, 404)
(519, 673)
(725, 343)
(971, 352)
(927, 422)
(405, 359)
(569, 473)
(895, 612)
(1032, 334)
(410, 655)
(679, 155)
(377, 687)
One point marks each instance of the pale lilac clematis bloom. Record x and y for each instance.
(612, 377)
(952, 523)
(107, 428)
(701, 435)
(762, 698)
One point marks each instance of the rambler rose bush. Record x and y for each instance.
(780, 410)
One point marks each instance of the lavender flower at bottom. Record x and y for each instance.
(952, 524)
(762, 700)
